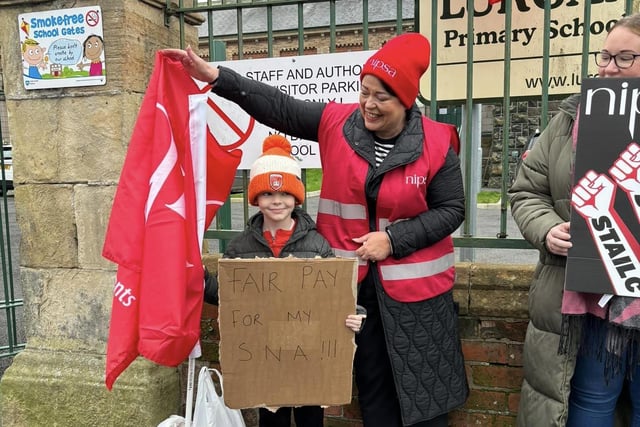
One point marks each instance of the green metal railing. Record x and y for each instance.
(467, 238)
(10, 303)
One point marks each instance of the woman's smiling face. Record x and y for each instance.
(383, 113)
(621, 40)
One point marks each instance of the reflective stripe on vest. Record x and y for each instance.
(342, 210)
(418, 270)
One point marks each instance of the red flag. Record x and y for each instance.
(173, 169)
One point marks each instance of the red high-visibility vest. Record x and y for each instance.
(343, 215)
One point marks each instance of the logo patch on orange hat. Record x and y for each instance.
(275, 181)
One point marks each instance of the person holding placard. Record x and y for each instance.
(279, 229)
(391, 196)
(581, 358)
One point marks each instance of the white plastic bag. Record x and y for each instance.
(210, 410)
(173, 421)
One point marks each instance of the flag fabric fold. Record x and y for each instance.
(175, 177)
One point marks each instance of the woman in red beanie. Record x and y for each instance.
(391, 196)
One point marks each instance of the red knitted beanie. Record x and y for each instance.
(399, 64)
(275, 171)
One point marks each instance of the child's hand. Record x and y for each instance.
(355, 322)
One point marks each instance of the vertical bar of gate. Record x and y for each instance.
(240, 33)
(303, 172)
(7, 272)
(586, 36)
(546, 46)
(270, 31)
(181, 23)
(467, 133)
(365, 24)
(365, 18)
(506, 128)
(9, 303)
(433, 102)
(300, 29)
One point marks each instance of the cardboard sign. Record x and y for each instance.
(605, 214)
(283, 339)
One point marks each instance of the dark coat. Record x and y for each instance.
(541, 199)
(422, 337)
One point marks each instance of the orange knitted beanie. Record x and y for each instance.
(275, 171)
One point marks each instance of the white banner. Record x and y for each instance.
(324, 78)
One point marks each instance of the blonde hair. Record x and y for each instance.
(29, 42)
(631, 22)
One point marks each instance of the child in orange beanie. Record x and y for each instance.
(280, 229)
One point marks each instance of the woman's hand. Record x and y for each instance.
(558, 239)
(375, 246)
(197, 67)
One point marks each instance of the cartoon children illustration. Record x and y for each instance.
(93, 47)
(33, 55)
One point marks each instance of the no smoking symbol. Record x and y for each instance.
(92, 17)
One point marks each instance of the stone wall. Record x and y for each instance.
(69, 146)
(524, 119)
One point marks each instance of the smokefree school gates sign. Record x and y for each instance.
(62, 48)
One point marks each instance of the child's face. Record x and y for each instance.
(93, 48)
(277, 206)
(34, 54)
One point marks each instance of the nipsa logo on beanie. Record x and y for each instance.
(381, 65)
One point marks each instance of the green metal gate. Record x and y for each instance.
(405, 16)
(12, 338)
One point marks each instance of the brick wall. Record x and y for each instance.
(493, 322)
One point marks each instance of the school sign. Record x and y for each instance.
(451, 40)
